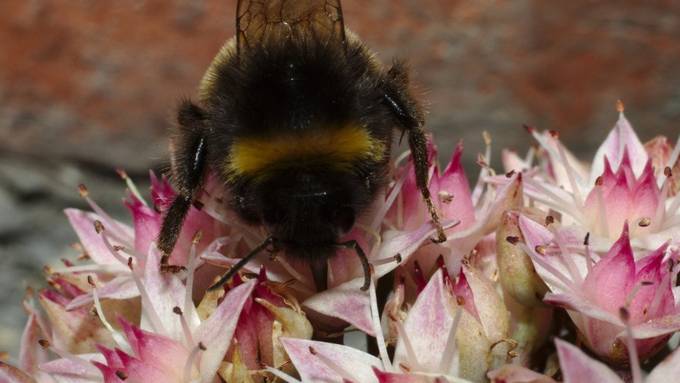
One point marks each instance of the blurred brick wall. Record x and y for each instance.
(90, 85)
(97, 80)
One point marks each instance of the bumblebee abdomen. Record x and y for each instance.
(330, 147)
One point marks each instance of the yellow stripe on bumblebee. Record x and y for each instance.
(336, 148)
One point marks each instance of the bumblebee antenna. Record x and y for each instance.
(234, 269)
(354, 245)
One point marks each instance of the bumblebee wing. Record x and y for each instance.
(258, 21)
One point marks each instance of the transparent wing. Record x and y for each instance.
(258, 21)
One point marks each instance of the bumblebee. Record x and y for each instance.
(296, 117)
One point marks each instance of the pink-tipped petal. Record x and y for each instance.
(138, 370)
(109, 374)
(31, 355)
(154, 349)
(414, 211)
(463, 293)
(120, 288)
(550, 268)
(311, 359)
(608, 283)
(147, 224)
(83, 224)
(647, 195)
(508, 197)
(654, 296)
(577, 367)
(217, 331)
(111, 357)
(165, 292)
(346, 302)
(427, 327)
(621, 138)
(563, 166)
(452, 192)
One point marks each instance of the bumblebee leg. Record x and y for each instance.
(189, 163)
(234, 269)
(354, 245)
(172, 225)
(418, 143)
(410, 118)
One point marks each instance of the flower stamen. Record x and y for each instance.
(567, 260)
(191, 361)
(635, 290)
(658, 294)
(117, 337)
(188, 337)
(118, 232)
(410, 352)
(114, 250)
(576, 192)
(630, 345)
(377, 328)
(344, 374)
(588, 253)
(568, 283)
(131, 186)
(191, 267)
(147, 306)
(553, 201)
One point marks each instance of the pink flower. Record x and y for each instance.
(426, 349)
(174, 341)
(268, 314)
(578, 367)
(111, 244)
(157, 358)
(622, 185)
(594, 290)
(117, 315)
(479, 211)
(436, 338)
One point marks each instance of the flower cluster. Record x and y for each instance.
(553, 269)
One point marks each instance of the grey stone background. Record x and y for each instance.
(89, 86)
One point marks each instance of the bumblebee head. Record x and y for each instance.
(302, 208)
